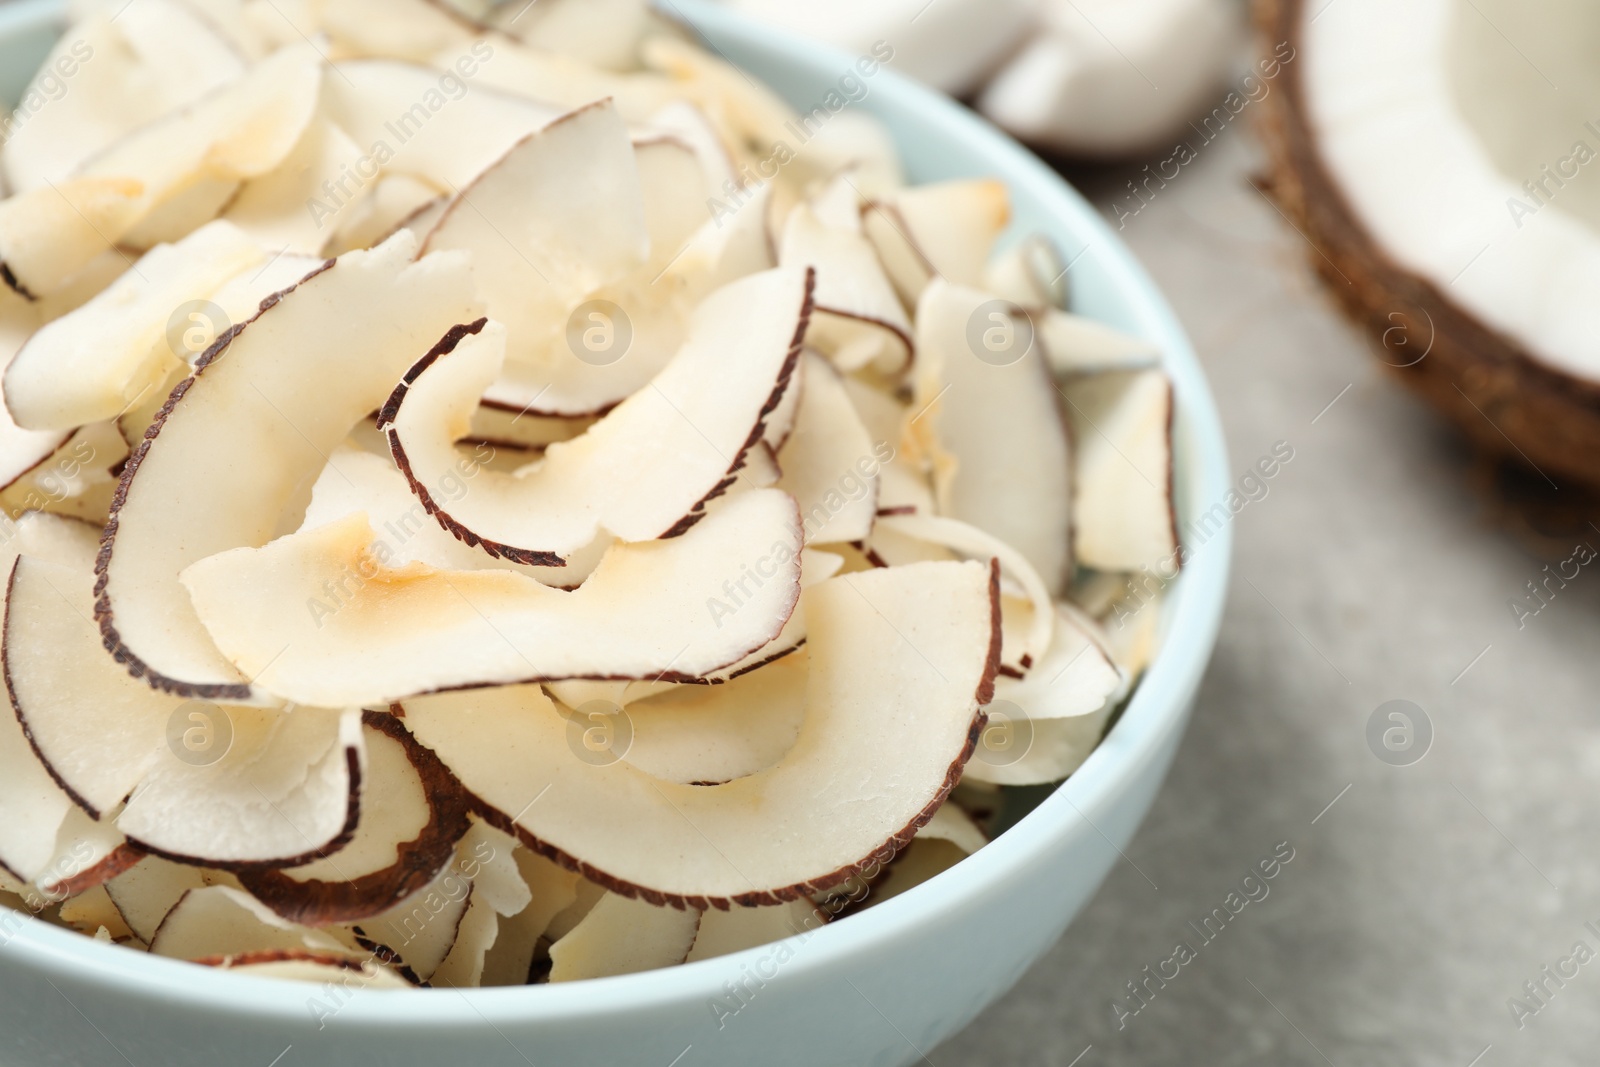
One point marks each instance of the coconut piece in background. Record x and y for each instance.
(552, 889)
(1074, 345)
(1449, 191)
(168, 176)
(1031, 274)
(499, 892)
(952, 45)
(1115, 77)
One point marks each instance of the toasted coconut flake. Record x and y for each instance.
(974, 543)
(399, 632)
(985, 400)
(97, 361)
(830, 464)
(289, 208)
(416, 935)
(316, 968)
(859, 320)
(946, 230)
(498, 891)
(49, 236)
(695, 734)
(558, 218)
(775, 835)
(1076, 676)
(1122, 488)
(623, 936)
(1031, 273)
(646, 469)
(413, 816)
(359, 482)
(447, 150)
(286, 793)
(247, 434)
(734, 930)
(551, 889)
(20, 450)
(1054, 749)
(28, 845)
(93, 910)
(146, 891)
(222, 921)
(399, 201)
(1076, 345)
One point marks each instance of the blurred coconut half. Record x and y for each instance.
(1092, 78)
(1442, 158)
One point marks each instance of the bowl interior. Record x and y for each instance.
(938, 140)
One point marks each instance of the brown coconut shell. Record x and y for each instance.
(1507, 400)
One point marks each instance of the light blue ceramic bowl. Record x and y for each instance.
(880, 988)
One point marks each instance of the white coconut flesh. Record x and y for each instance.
(873, 640)
(642, 471)
(1462, 161)
(252, 430)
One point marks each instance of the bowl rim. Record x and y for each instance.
(1157, 709)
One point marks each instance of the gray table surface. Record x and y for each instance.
(1426, 895)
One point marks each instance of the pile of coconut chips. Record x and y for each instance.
(462, 531)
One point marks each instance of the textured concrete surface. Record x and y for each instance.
(1421, 900)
